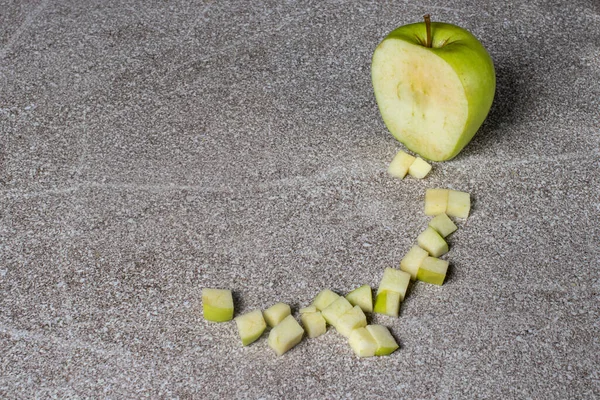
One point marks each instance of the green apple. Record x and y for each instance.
(412, 261)
(436, 201)
(250, 326)
(394, 280)
(285, 335)
(350, 320)
(362, 343)
(308, 309)
(362, 297)
(217, 304)
(276, 313)
(443, 224)
(434, 84)
(419, 168)
(324, 299)
(314, 323)
(335, 310)
(433, 270)
(433, 242)
(386, 344)
(387, 303)
(459, 204)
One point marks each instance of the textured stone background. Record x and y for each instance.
(152, 148)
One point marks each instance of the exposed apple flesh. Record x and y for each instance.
(217, 304)
(412, 261)
(250, 326)
(362, 297)
(433, 270)
(459, 204)
(442, 224)
(324, 299)
(335, 310)
(308, 309)
(433, 99)
(285, 335)
(386, 344)
(387, 303)
(419, 168)
(276, 313)
(436, 201)
(362, 343)
(350, 320)
(395, 280)
(314, 323)
(431, 241)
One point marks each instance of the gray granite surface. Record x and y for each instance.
(149, 149)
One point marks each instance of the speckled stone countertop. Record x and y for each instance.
(149, 149)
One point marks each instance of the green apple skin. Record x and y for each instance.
(473, 67)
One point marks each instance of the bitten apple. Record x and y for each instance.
(434, 84)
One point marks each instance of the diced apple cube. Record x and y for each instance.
(335, 310)
(412, 260)
(250, 326)
(431, 241)
(400, 164)
(436, 201)
(386, 344)
(285, 335)
(362, 343)
(217, 304)
(324, 299)
(442, 224)
(276, 313)
(387, 303)
(459, 204)
(308, 309)
(419, 168)
(350, 320)
(395, 280)
(362, 297)
(433, 270)
(314, 323)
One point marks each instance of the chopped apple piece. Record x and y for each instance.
(250, 326)
(324, 299)
(217, 304)
(442, 224)
(285, 335)
(386, 344)
(395, 280)
(314, 323)
(308, 309)
(400, 164)
(412, 260)
(436, 201)
(433, 270)
(419, 168)
(362, 297)
(431, 241)
(335, 310)
(362, 343)
(459, 204)
(350, 320)
(387, 303)
(276, 313)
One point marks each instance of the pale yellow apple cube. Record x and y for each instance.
(459, 204)
(314, 324)
(362, 343)
(386, 344)
(400, 164)
(387, 303)
(324, 299)
(436, 201)
(431, 241)
(250, 326)
(335, 310)
(285, 335)
(308, 309)
(276, 313)
(412, 260)
(394, 280)
(362, 297)
(433, 270)
(217, 304)
(350, 320)
(419, 168)
(442, 224)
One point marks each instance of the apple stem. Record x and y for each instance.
(428, 29)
